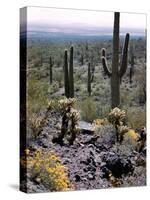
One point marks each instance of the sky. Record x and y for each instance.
(82, 21)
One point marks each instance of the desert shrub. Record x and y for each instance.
(106, 134)
(100, 122)
(137, 179)
(46, 168)
(131, 138)
(124, 150)
(53, 88)
(58, 77)
(88, 109)
(136, 117)
(103, 110)
(37, 95)
(37, 121)
(125, 98)
(141, 82)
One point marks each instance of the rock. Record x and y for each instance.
(77, 178)
(86, 127)
(58, 126)
(118, 165)
(92, 140)
(89, 161)
(90, 176)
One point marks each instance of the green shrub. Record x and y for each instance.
(37, 95)
(106, 133)
(88, 109)
(58, 77)
(136, 117)
(53, 88)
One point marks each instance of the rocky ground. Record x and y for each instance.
(92, 163)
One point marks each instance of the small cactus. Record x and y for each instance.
(50, 70)
(82, 60)
(89, 79)
(70, 119)
(116, 74)
(117, 117)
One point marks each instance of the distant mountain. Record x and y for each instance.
(63, 36)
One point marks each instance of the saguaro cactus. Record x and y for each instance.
(89, 79)
(71, 78)
(82, 60)
(92, 68)
(50, 70)
(66, 75)
(41, 60)
(132, 62)
(116, 73)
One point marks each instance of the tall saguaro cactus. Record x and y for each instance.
(89, 79)
(116, 73)
(68, 74)
(132, 62)
(50, 70)
(71, 78)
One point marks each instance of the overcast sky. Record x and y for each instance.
(64, 19)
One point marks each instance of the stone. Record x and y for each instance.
(118, 165)
(77, 178)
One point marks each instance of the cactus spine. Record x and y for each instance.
(68, 74)
(89, 79)
(116, 73)
(50, 70)
(71, 78)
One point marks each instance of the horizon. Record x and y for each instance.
(82, 22)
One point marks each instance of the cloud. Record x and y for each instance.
(68, 20)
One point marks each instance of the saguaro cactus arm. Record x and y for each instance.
(123, 67)
(104, 63)
(105, 66)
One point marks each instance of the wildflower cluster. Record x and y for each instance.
(46, 168)
(99, 122)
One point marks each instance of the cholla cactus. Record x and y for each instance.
(74, 127)
(122, 130)
(70, 119)
(50, 105)
(64, 104)
(117, 117)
